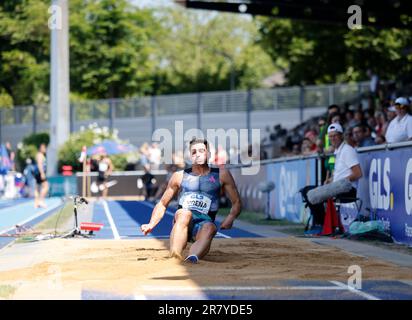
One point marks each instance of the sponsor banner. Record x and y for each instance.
(252, 198)
(122, 185)
(386, 191)
(289, 177)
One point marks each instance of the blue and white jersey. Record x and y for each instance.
(200, 193)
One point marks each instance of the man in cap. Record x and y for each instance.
(400, 128)
(346, 163)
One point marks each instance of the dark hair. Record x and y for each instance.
(360, 125)
(198, 140)
(332, 106)
(332, 115)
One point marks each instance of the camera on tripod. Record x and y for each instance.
(88, 227)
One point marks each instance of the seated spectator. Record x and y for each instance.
(311, 136)
(391, 114)
(360, 137)
(380, 139)
(350, 120)
(296, 149)
(400, 128)
(336, 118)
(333, 109)
(307, 147)
(359, 117)
(348, 137)
(381, 123)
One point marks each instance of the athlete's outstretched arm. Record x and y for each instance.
(231, 191)
(159, 210)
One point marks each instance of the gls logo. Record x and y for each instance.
(379, 184)
(408, 188)
(288, 189)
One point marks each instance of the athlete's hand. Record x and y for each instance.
(146, 228)
(226, 224)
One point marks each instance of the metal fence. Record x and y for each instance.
(193, 103)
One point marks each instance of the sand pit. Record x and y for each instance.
(124, 266)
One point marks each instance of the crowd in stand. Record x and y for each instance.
(382, 121)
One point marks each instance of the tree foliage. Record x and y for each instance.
(119, 50)
(316, 53)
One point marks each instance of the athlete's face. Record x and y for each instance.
(198, 153)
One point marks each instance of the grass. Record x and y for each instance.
(57, 221)
(6, 291)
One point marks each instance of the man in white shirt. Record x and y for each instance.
(400, 128)
(346, 162)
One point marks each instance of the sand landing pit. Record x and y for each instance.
(124, 266)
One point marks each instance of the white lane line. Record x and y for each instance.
(240, 288)
(354, 290)
(111, 221)
(172, 215)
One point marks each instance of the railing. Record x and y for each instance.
(193, 103)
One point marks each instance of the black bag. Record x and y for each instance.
(317, 211)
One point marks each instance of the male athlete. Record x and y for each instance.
(199, 195)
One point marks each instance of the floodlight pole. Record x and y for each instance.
(59, 80)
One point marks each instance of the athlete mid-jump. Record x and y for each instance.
(199, 188)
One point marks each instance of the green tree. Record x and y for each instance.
(109, 48)
(24, 47)
(196, 51)
(316, 53)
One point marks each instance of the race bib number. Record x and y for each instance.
(195, 201)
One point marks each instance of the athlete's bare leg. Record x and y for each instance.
(178, 237)
(43, 193)
(36, 196)
(204, 238)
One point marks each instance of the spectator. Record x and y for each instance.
(347, 163)
(307, 147)
(144, 154)
(333, 109)
(149, 182)
(39, 173)
(348, 137)
(311, 136)
(105, 169)
(369, 132)
(322, 133)
(391, 114)
(360, 138)
(381, 123)
(400, 128)
(359, 117)
(296, 149)
(350, 120)
(11, 155)
(155, 156)
(336, 118)
(380, 139)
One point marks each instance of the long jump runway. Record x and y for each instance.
(122, 220)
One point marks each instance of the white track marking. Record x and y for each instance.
(111, 221)
(358, 292)
(172, 215)
(240, 288)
